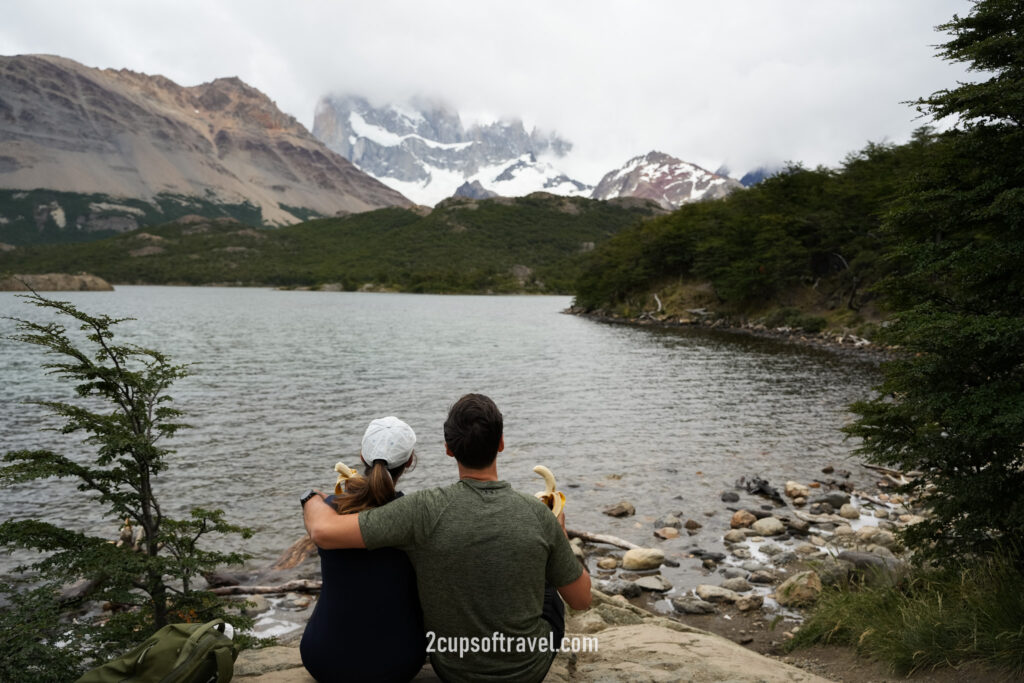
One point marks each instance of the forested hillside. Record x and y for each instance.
(805, 245)
(527, 244)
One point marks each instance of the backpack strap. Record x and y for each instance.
(225, 664)
(225, 660)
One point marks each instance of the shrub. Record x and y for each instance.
(149, 575)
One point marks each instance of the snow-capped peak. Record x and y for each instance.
(667, 180)
(423, 150)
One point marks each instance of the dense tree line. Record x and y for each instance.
(526, 244)
(818, 228)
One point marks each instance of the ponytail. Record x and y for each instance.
(375, 488)
(381, 488)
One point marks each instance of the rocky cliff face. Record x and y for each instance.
(667, 180)
(423, 149)
(72, 128)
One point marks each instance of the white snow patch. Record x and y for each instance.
(96, 207)
(386, 138)
(374, 133)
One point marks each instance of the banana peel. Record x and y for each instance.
(555, 500)
(344, 472)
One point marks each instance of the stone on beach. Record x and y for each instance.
(716, 593)
(667, 532)
(849, 512)
(658, 651)
(799, 589)
(836, 499)
(741, 519)
(749, 602)
(798, 526)
(643, 558)
(738, 585)
(873, 569)
(621, 509)
(735, 536)
(622, 587)
(769, 526)
(669, 520)
(655, 583)
(691, 604)
(795, 489)
(607, 563)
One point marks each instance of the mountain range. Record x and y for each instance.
(424, 150)
(93, 152)
(121, 134)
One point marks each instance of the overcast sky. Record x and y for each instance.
(741, 83)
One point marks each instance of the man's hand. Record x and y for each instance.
(561, 522)
(329, 530)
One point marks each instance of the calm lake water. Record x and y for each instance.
(285, 382)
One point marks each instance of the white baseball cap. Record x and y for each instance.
(388, 439)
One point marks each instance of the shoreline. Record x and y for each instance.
(831, 340)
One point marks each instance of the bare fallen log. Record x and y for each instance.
(819, 519)
(601, 538)
(296, 586)
(872, 499)
(884, 470)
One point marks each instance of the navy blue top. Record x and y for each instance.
(367, 624)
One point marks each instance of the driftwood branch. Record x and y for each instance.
(872, 499)
(818, 519)
(884, 470)
(296, 586)
(601, 538)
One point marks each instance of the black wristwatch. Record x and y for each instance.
(306, 496)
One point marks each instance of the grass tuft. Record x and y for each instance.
(938, 618)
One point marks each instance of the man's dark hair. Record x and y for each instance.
(473, 430)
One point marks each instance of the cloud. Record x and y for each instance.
(743, 83)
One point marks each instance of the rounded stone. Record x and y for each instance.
(642, 558)
(849, 511)
(742, 519)
(769, 526)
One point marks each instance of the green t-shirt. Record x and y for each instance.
(482, 554)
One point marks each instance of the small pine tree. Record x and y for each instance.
(952, 404)
(148, 575)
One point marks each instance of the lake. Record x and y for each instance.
(284, 383)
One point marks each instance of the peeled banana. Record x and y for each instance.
(555, 500)
(344, 472)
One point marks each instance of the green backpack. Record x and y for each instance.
(177, 653)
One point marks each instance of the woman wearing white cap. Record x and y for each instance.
(367, 624)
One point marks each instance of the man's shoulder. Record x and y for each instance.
(429, 497)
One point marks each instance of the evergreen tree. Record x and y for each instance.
(952, 404)
(124, 411)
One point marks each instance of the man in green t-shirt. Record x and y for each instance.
(483, 555)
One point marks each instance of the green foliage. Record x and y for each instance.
(461, 246)
(817, 228)
(124, 413)
(952, 406)
(52, 217)
(966, 613)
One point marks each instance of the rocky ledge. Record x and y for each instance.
(632, 645)
(55, 282)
